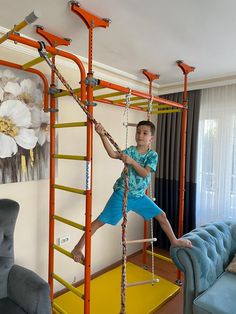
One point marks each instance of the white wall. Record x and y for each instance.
(31, 234)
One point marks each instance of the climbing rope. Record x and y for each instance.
(125, 221)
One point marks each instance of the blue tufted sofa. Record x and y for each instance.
(21, 290)
(208, 287)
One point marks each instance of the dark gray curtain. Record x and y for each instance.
(167, 175)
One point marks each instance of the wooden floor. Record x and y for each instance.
(168, 271)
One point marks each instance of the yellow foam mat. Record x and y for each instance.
(105, 293)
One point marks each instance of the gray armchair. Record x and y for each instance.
(208, 287)
(21, 290)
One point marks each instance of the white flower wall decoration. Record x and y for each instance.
(24, 127)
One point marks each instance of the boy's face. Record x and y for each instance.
(143, 135)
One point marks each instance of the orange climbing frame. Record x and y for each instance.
(88, 84)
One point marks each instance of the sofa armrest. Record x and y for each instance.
(29, 291)
(213, 245)
(182, 260)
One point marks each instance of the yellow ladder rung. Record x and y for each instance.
(34, 62)
(109, 95)
(76, 90)
(141, 104)
(139, 283)
(16, 28)
(73, 157)
(124, 99)
(66, 93)
(69, 222)
(32, 17)
(141, 241)
(69, 189)
(166, 111)
(159, 106)
(58, 308)
(164, 258)
(68, 286)
(69, 125)
(61, 250)
(137, 104)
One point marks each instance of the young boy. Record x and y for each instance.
(141, 161)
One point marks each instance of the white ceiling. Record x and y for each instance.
(149, 34)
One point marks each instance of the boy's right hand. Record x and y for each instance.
(126, 159)
(99, 129)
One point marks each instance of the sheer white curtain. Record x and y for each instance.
(216, 167)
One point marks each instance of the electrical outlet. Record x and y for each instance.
(63, 240)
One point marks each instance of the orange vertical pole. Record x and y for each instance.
(186, 70)
(53, 41)
(151, 77)
(52, 182)
(89, 165)
(91, 21)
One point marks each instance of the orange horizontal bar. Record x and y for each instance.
(54, 51)
(110, 102)
(139, 94)
(37, 72)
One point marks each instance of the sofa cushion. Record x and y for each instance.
(9, 307)
(219, 298)
(232, 266)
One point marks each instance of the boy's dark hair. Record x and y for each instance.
(148, 123)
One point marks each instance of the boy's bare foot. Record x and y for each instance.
(78, 256)
(182, 242)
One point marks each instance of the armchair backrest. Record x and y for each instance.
(8, 214)
(214, 245)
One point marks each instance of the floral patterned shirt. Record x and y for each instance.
(137, 184)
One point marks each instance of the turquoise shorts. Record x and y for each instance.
(143, 206)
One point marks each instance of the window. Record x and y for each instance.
(216, 170)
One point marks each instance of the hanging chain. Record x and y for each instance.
(124, 212)
(152, 236)
(126, 114)
(149, 108)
